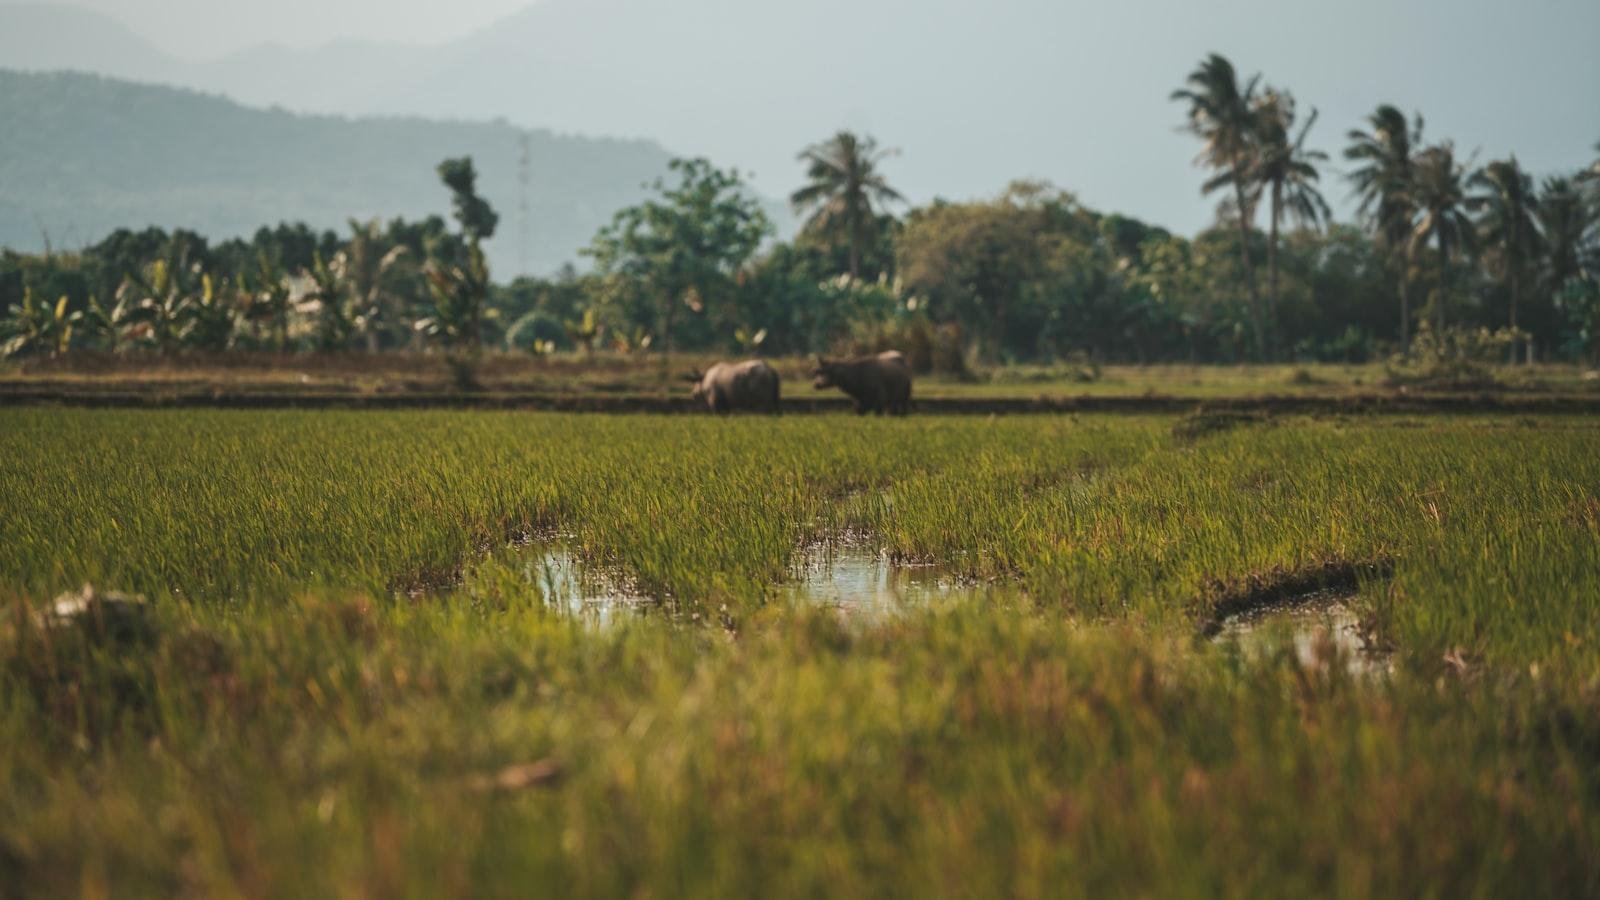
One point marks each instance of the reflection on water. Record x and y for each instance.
(854, 578)
(565, 584)
(863, 580)
(1319, 629)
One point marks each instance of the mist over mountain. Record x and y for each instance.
(81, 155)
(336, 77)
(974, 94)
(39, 37)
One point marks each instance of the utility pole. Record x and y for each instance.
(522, 202)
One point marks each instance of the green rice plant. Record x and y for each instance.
(347, 687)
(1095, 516)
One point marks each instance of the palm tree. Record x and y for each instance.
(1220, 114)
(1589, 184)
(1440, 198)
(1508, 225)
(842, 185)
(1288, 172)
(1565, 220)
(1383, 184)
(1590, 177)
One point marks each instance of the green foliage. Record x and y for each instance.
(327, 307)
(535, 332)
(458, 291)
(293, 722)
(686, 246)
(1222, 114)
(750, 341)
(844, 196)
(264, 308)
(161, 295)
(1386, 155)
(587, 331)
(1031, 276)
(1287, 172)
(1438, 189)
(789, 290)
(1508, 227)
(1579, 304)
(476, 217)
(32, 327)
(379, 276)
(1565, 222)
(1458, 356)
(459, 282)
(209, 319)
(1035, 274)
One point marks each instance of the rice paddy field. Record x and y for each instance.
(614, 376)
(454, 653)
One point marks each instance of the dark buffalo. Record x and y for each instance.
(878, 384)
(749, 386)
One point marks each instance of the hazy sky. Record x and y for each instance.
(976, 92)
(199, 29)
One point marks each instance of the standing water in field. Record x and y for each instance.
(864, 580)
(566, 584)
(854, 578)
(1318, 628)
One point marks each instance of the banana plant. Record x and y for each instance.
(625, 343)
(264, 302)
(749, 342)
(30, 327)
(162, 304)
(208, 319)
(326, 304)
(586, 332)
(369, 279)
(115, 327)
(457, 292)
(525, 323)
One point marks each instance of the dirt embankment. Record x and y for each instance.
(1223, 600)
(185, 394)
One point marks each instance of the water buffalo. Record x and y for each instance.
(749, 386)
(878, 384)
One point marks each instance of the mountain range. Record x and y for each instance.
(975, 94)
(81, 155)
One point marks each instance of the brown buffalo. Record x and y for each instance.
(749, 386)
(878, 384)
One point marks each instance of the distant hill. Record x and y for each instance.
(976, 94)
(336, 77)
(36, 36)
(81, 155)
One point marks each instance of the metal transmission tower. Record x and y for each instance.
(522, 202)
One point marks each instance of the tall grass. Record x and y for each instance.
(295, 724)
(1492, 523)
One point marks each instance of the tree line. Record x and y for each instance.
(1443, 254)
(1472, 243)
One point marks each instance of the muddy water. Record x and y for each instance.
(864, 583)
(567, 585)
(1319, 629)
(861, 580)
(856, 579)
